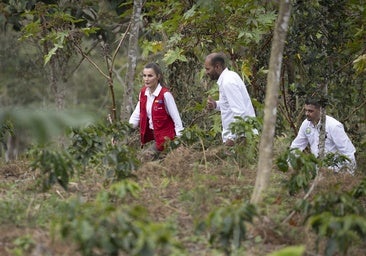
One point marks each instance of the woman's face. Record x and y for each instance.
(151, 79)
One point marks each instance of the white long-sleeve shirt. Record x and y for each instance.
(170, 105)
(337, 141)
(233, 101)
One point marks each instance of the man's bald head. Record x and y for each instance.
(214, 65)
(216, 58)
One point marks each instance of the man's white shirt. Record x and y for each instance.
(337, 141)
(233, 101)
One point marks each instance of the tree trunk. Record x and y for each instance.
(57, 86)
(271, 100)
(127, 104)
(322, 135)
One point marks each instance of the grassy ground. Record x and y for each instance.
(183, 188)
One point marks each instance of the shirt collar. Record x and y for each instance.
(222, 75)
(318, 125)
(156, 92)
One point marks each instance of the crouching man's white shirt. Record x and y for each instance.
(337, 141)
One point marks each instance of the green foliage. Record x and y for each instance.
(21, 206)
(44, 125)
(226, 225)
(90, 146)
(23, 245)
(12, 211)
(55, 167)
(103, 147)
(200, 138)
(62, 39)
(335, 160)
(86, 144)
(247, 131)
(359, 64)
(337, 216)
(324, 34)
(195, 136)
(50, 26)
(360, 190)
(336, 203)
(303, 167)
(202, 21)
(174, 55)
(6, 127)
(57, 38)
(109, 228)
(248, 127)
(289, 251)
(121, 189)
(340, 232)
(184, 36)
(121, 161)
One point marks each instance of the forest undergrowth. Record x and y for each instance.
(183, 190)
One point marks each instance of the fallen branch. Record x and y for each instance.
(315, 183)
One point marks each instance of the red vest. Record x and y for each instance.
(162, 122)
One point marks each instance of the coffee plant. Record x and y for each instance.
(226, 225)
(109, 225)
(55, 167)
(303, 166)
(105, 147)
(338, 217)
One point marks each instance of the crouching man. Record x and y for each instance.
(336, 142)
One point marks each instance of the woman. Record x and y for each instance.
(156, 112)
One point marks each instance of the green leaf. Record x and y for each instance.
(190, 13)
(359, 64)
(289, 251)
(173, 55)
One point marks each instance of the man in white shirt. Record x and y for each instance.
(336, 141)
(234, 100)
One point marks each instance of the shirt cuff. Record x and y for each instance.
(178, 133)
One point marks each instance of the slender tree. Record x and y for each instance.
(271, 100)
(127, 104)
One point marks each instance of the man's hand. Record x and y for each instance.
(229, 143)
(211, 103)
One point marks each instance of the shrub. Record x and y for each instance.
(107, 226)
(226, 225)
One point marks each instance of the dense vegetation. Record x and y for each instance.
(70, 73)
